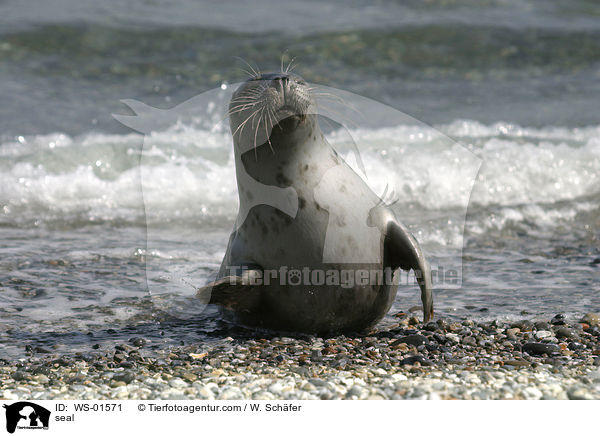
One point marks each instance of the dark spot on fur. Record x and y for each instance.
(264, 228)
(301, 202)
(282, 180)
(317, 206)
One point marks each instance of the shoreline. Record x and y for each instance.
(553, 359)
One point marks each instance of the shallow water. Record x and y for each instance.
(515, 83)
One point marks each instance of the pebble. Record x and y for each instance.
(415, 340)
(453, 337)
(354, 392)
(531, 393)
(579, 393)
(177, 383)
(411, 360)
(512, 333)
(537, 349)
(138, 342)
(124, 376)
(469, 340)
(565, 333)
(541, 334)
(524, 325)
(592, 319)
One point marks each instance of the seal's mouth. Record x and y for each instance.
(266, 101)
(290, 111)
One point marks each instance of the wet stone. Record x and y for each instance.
(415, 340)
(593, 319)
(565, 332)
(124, 376)
(574, 346)
(541, 334)
(512, 333)
(138, 342)
(431, 326)
(542, 325)
(19, 375)
(469, 340)
(538, 349)
(411, 360)
(524, 325)
(594, 331)
(441, 339)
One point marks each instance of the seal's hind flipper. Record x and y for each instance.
(402, 250)
(238, 293)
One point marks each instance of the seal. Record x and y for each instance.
(314, 249)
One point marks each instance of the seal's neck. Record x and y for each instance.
(292, 133)
(293, 141)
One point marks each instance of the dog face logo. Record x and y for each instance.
(26, 415)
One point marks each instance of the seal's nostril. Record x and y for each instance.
(275, 76)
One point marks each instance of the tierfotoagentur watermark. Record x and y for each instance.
(345, 278)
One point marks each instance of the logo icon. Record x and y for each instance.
(26, 415)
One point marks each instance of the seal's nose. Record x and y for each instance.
(280, 81)
(284, 77)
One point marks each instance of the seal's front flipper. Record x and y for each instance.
(403, 251)
(238, 293)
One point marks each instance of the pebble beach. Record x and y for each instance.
(557, 358)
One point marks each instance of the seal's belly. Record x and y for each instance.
(311, 279)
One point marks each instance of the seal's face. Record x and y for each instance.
(269, 100)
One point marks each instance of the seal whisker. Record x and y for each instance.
(245, 71)
(256, 72)
(252, 102)
(256, 131)
(290, 67)
(250, 96)
(282, 55)
(243, 102)
(244, 123)
(382, 197)
(244, 105)
(252, 92)
(271, 116)
(242, 108)
(335, 98)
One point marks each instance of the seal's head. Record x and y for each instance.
(267, 101)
